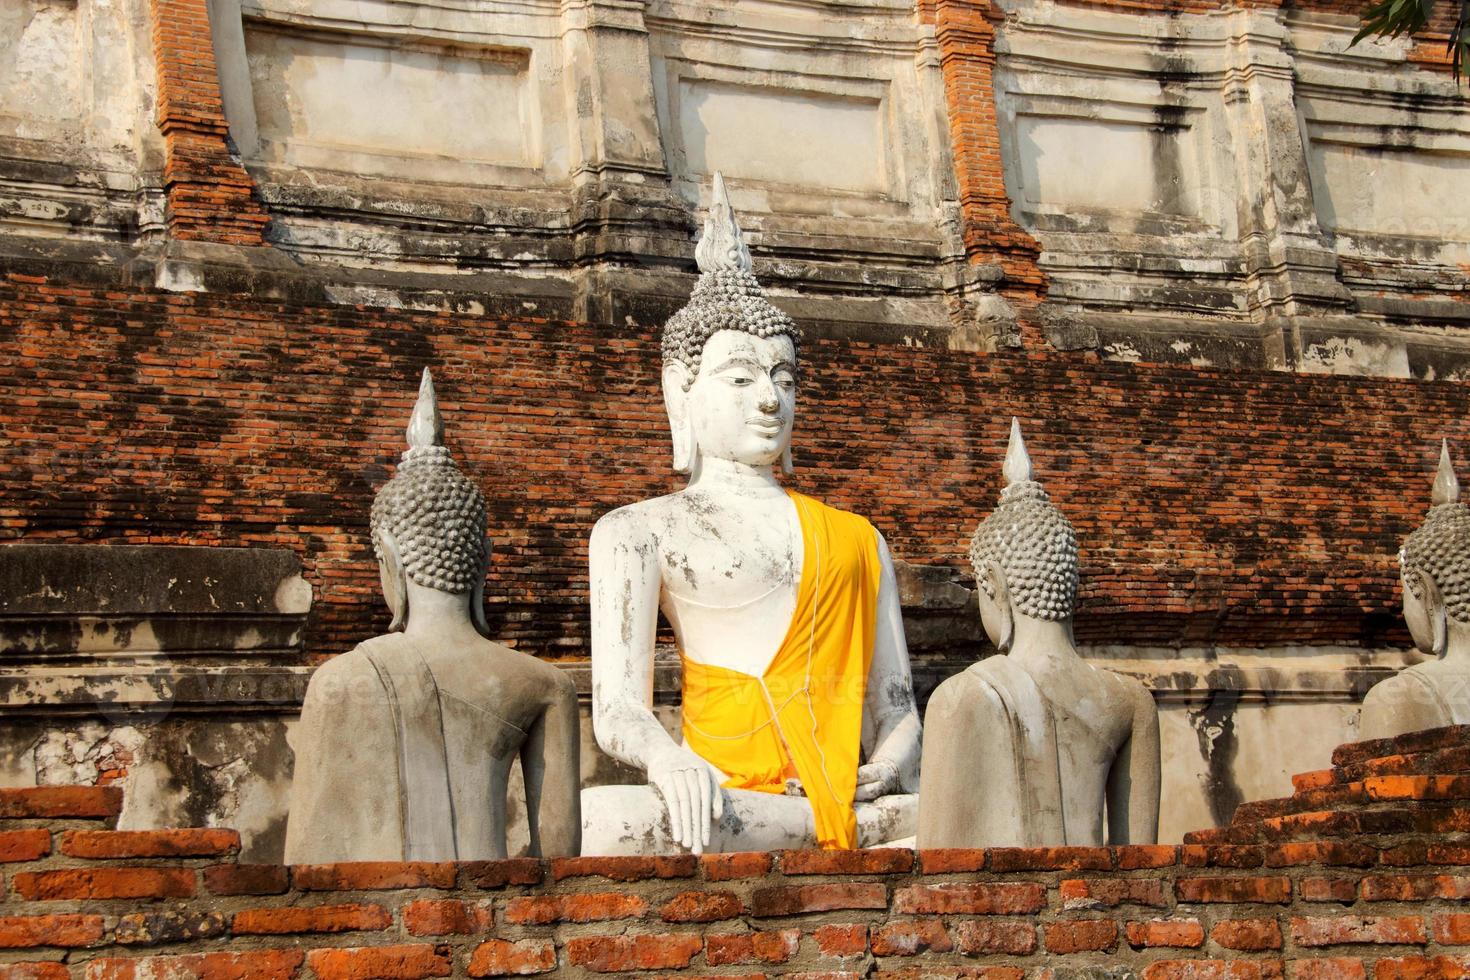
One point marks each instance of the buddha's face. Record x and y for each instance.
(743, 402)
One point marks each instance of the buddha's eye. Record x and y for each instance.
(739, 380)
(784, 380)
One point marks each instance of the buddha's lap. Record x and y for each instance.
(634, 820)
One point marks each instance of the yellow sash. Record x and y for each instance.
(805, 716)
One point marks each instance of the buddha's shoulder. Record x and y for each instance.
(984, 679)
(348, 672)
(639, 519)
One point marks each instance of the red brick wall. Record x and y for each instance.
(82, 902)
(1229, 507)
(1253, 508)
(210, 196)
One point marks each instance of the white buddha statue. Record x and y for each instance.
(405, 744)
(1034, 747)
(799, 723)
(1434, 569)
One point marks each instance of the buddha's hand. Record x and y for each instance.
(691, 791)
(874, 780)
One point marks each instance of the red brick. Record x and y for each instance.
(910, 937)
(197, 842)
(1180, 933)
(24, 845)
(270, 964)
(1085, 893)
(1324, 931)
(1002, 898)
(180, 925)
(1315, 889)
(1422, 968)
(104, 883)
(1247, 935)
(1137, 857)
(1236, 890)
(702, 906)
(583, 907)
(1414, 888)
(500, 958)
(1222, 856)
(625, 868)
(952, 859)
(978, 937)
(446, 917)
(373, 875)
(803, 899)
(246, 879)
(1080, 935)
(842, 941)
(741, 864)
(1332, 968)
(1417, 787)
(943, 973)
(313, 918)
(1335, 853)
(1452, 929)
(1316, 779)
(34, 971)
(1213, 970)
(24, 931)
(499, 874)
(613, 954)
(408, 962)
(722, 949)
(873, 861)
(60, 802)
(1050, 859)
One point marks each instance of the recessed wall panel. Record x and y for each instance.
(1407, 193)
(789, 137)
(1102, 165)
(354, 102)
(40, 69)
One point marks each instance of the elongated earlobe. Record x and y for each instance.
(681, 421)
(1438, 615)
(477, 595)
(1002, 593)
(395, 582)
(787, 466)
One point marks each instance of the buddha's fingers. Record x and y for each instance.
(688, 799)
(701, 815)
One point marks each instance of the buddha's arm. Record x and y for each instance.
(1133, 782)
(889, 697)
(970, 787)
(550, 764)
(623, 564)
(623, 556)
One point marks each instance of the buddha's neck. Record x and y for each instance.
(729, 476)
(1038, 642)
(438, 616)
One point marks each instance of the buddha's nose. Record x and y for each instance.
(768, 402)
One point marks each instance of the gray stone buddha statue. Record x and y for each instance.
(1035, 747)
(1434, 570)
(405, 744)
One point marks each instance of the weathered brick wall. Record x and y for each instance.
(1306, 899)
(1246, 508)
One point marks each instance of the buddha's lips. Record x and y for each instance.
(766, 424)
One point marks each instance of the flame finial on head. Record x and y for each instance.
(1017, 467)
(1446, 484)
(720, 248)
(426, 425)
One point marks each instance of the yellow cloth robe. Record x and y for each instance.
(760, 730)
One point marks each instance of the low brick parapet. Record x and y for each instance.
(100, 904)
